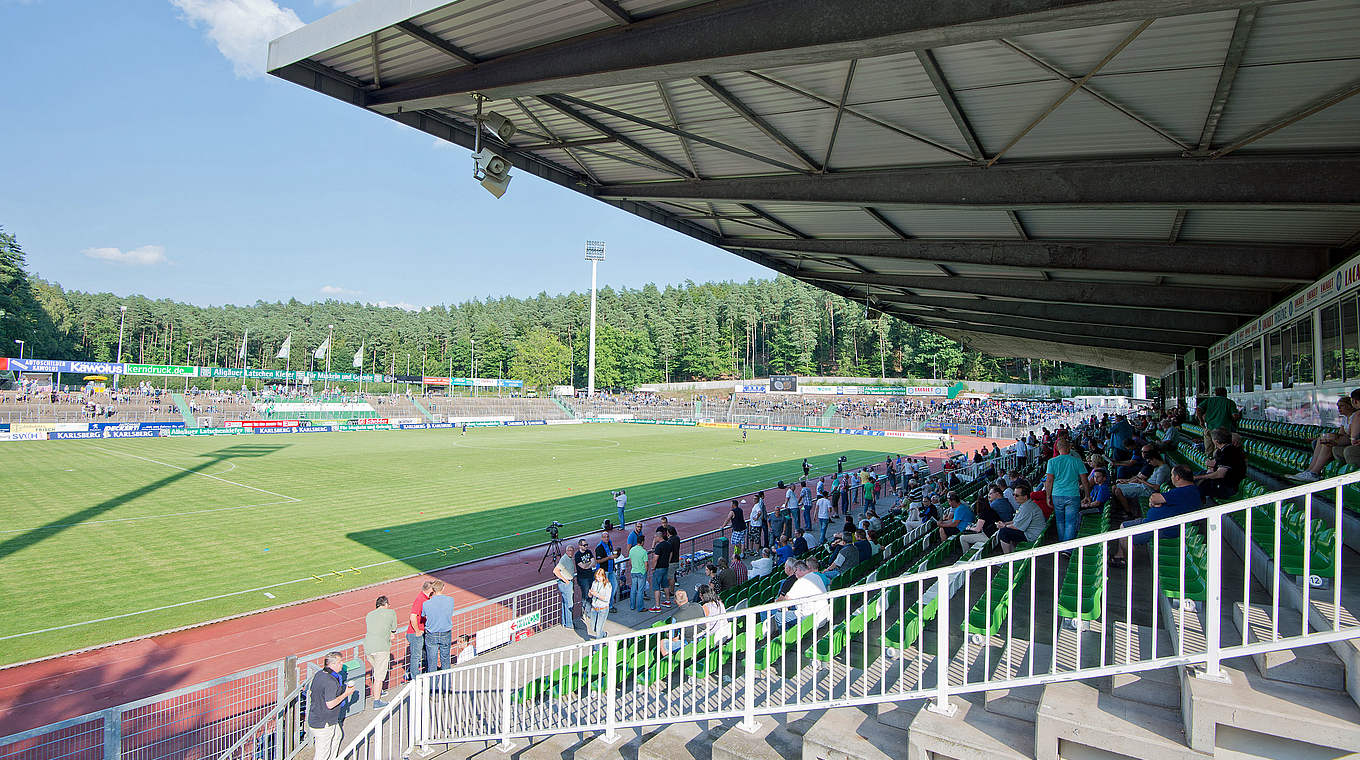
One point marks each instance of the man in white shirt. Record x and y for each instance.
(621, 500)
(808, 584)
(823, 517)
(763, 564)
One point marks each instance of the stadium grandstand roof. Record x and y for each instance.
(1104, 181)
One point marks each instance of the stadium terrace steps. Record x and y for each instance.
(973, 732)
(850, 733)
(776, 737)
(1079, 713)
(681, 741)
(420, 408)
(1315, 665)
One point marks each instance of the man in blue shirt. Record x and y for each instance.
(438, 627)
(1183, 498)
(784, 552)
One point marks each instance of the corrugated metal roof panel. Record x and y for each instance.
(1083, 126)
(765, 98)
(1175, 101)
(647, 8)
(925, 116)
(864, 145)
(1075, 51)
(1177, 42)
(997, 114)
(1340, 128)
(1263, 94)
(825, 221)
(951, 222)
(492, 28)
(1323, 227)
(987, 65)
(897, 266)
(890, 77)
(1297, 31)
(1098, 224)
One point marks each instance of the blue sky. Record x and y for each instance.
(143, 151)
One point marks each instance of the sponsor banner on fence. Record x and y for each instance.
(617, 418)
(134, 425)
(49, 427)
(161, 370)
(759, 426)
(273, 430)
(718, 424)
(482, 423)
(263, 423)
(415, 426)
(23, 436)
(53, 365)
(441, 381)
(301, 407)
(434, 425)
(471, 420)
(71, 435)
(504, 633)
(131, 433)
(570, 422)
(177, 432)
(752, 388)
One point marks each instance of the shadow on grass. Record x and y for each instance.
(490, 529)
(35, 535)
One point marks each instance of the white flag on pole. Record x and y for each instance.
(285, 348)
(359, 357)
(241, 352)
(322, 350)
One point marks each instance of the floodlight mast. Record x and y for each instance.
(594, 254)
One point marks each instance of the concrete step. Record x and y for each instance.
(583, 746)
(681, 741)
(1249, 701)
(1134, 643)
(1313, 665)
(1075, 716)
(776, 737)
(851, 733)
(1020, 660)
(973, 732)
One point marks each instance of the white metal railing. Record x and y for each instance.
(1034, 617)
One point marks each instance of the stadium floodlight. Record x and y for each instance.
(492, 170)
(498, 125)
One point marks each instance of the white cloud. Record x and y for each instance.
(336, 290)
(397, 305)
(143, 256)
(241, 29)
(333, 4)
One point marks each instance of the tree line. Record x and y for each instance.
(691, 331)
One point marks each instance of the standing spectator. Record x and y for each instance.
(759, 528)
(637, 560)
(802, 514)
(1219, 411)
(600, 597)
(380, 627)
(605, 556)
(661, 565)
(438, 627)
(621, 501)
(324, 698)
(565, 570)
(806, 469)
(674, 542)
(776, 520)
(1066, 485)
(585, 571)
(737, 522)
(823, 516)
(415, 633)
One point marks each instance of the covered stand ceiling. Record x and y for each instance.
(1104, 181)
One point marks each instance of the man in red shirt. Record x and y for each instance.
(415, 632)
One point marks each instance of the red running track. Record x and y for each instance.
(62, 687)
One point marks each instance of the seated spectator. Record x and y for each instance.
(806, 584)
(783, 550)
(1099, 495)
(960, 517)
(1155, 474)
(1184, 497)
(1224, 469)
(846, 558)
(764, 564)
(1002, 506)
(1028, 524)
(801, 545)
(1327, 446)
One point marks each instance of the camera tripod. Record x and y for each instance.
(554, 551)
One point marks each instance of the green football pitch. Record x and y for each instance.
(104, 540)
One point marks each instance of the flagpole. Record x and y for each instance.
(330, 336)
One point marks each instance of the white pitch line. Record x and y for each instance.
(200, 474)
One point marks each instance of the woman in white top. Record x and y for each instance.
(601, 592)
(718, 629)
(1326, 446)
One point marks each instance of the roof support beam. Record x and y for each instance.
(1237, 47)
(1294, 264)
(951, 103)
(1072, 326)
(613, 10)
(1205, 324)
(603, 129)
(1151, 183)
(458, 54)
(1244, 303)
(1123, 343)
(754, 119)
(840, 114)
(1321, 104)
(776, 222)
(713, 38)
(617, 114)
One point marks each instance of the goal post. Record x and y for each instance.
(751, 419)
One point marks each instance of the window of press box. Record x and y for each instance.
(1350, 338)
(1303, 351)
(1329, 335)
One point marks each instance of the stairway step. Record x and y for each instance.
(1252, 702)
(1077, 713)
(1314, 665)
(679, 741)
(1019, 702)
(1135, 643)
(973, 732)
(773, 739)
(850, 733)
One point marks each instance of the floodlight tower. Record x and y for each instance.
(594, 254)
